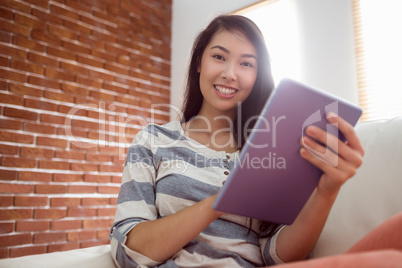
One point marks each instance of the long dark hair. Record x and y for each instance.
(263, 85)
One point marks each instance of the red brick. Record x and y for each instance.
(81, 189)
(36, 152)
(5, 37)
(87, 201)
(8, 174)
(91, 82)
(60, 177)
(12, 51)
(59, 97)
(103, 234)
(62, 53)
(15, 188)
(15, 214)
(27, 67)
(70, 155)
(95, 223)
(59, 74)
(96, 178)
(46, 16)
(84, 146)
(49, 237)
(39, 128)
(50, 189)
(113, 200)
(63, 246)
(25, 90)
(14, 240)
(6, 200)
(111, 168)
(42, 105)
(34, 176)
(29, 21)
(27, 250)
(30, 201)
(8, 149)
(108, 189)
(20, 113)
(16, 137)
(4, 253)
(77, 27)
(10, 124)
(77, 48)
(44, 60)
(90, 61)
(81, 212)
(6, 227)
(45, 37)
(18, 162)
(66, 225)
(50, 213)
(51, 164)
(53, 142)
(41, 81)
(81, 235)
(84, 167)
(24, 42)
(32, 225)
(11, 99)
(65, 202)
(53, 119)
(74, 88)
(6, 14)
(61, 31)
(104, 212)
(116, 179)
(94, 243)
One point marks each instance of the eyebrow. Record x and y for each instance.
(228, 52)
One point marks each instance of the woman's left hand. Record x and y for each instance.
(338, 164)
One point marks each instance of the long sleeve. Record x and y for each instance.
(136, 200)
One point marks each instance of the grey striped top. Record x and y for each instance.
(166, 171)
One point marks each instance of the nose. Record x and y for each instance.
(229, 73)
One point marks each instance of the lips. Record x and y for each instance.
(225, 90)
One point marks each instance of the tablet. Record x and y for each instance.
(270, 180)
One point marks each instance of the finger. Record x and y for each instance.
(341, 172)
(347, 130)
(323, 137)
(333, 143)
(326, 162)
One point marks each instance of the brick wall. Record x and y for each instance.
(78, 78)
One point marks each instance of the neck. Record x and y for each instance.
(215, 120)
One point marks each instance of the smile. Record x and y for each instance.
(225, 90)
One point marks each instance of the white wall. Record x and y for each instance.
(326, 34)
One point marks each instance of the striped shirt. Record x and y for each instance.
(165, 172)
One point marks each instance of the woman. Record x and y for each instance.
(173, 172)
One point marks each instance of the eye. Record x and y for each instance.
(218, 57)
(247, 64)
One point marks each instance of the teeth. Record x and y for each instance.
(224, 90)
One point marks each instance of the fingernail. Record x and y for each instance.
(331, 116)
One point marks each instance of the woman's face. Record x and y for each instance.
(228, 71)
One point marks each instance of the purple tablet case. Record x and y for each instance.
(271, 181)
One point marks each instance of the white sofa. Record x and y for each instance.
(371, 197)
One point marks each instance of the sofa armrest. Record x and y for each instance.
(93, 257)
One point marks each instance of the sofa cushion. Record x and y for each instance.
(373, 195)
